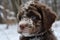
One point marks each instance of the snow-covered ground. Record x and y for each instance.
(11, 32)
(56, 29)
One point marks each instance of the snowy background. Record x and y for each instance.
(11, 32)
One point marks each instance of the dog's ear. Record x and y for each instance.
(48, 17)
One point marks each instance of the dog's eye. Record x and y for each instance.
(33, 17)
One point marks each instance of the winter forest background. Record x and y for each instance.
(8, 18)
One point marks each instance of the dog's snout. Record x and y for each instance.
(24, 23)
(22, 26)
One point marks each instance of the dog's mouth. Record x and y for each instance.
(28, 31)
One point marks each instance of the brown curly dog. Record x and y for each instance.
(35, 21)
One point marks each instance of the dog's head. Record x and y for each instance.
(34, 18)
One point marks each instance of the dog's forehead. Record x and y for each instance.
(23, 8)
(26, 5)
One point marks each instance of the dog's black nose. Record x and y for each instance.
(22, 26)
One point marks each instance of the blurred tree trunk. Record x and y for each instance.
(46, 1)
(5, 5)
(0, 2)
(55, 1)
(1, 20)
(54, 5)
(16, 4)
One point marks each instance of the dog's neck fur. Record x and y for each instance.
(46, 36)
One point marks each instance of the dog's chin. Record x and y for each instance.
(27, 34)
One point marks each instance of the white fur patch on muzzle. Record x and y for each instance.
(26, 21)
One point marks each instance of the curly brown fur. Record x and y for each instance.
(43, 14)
